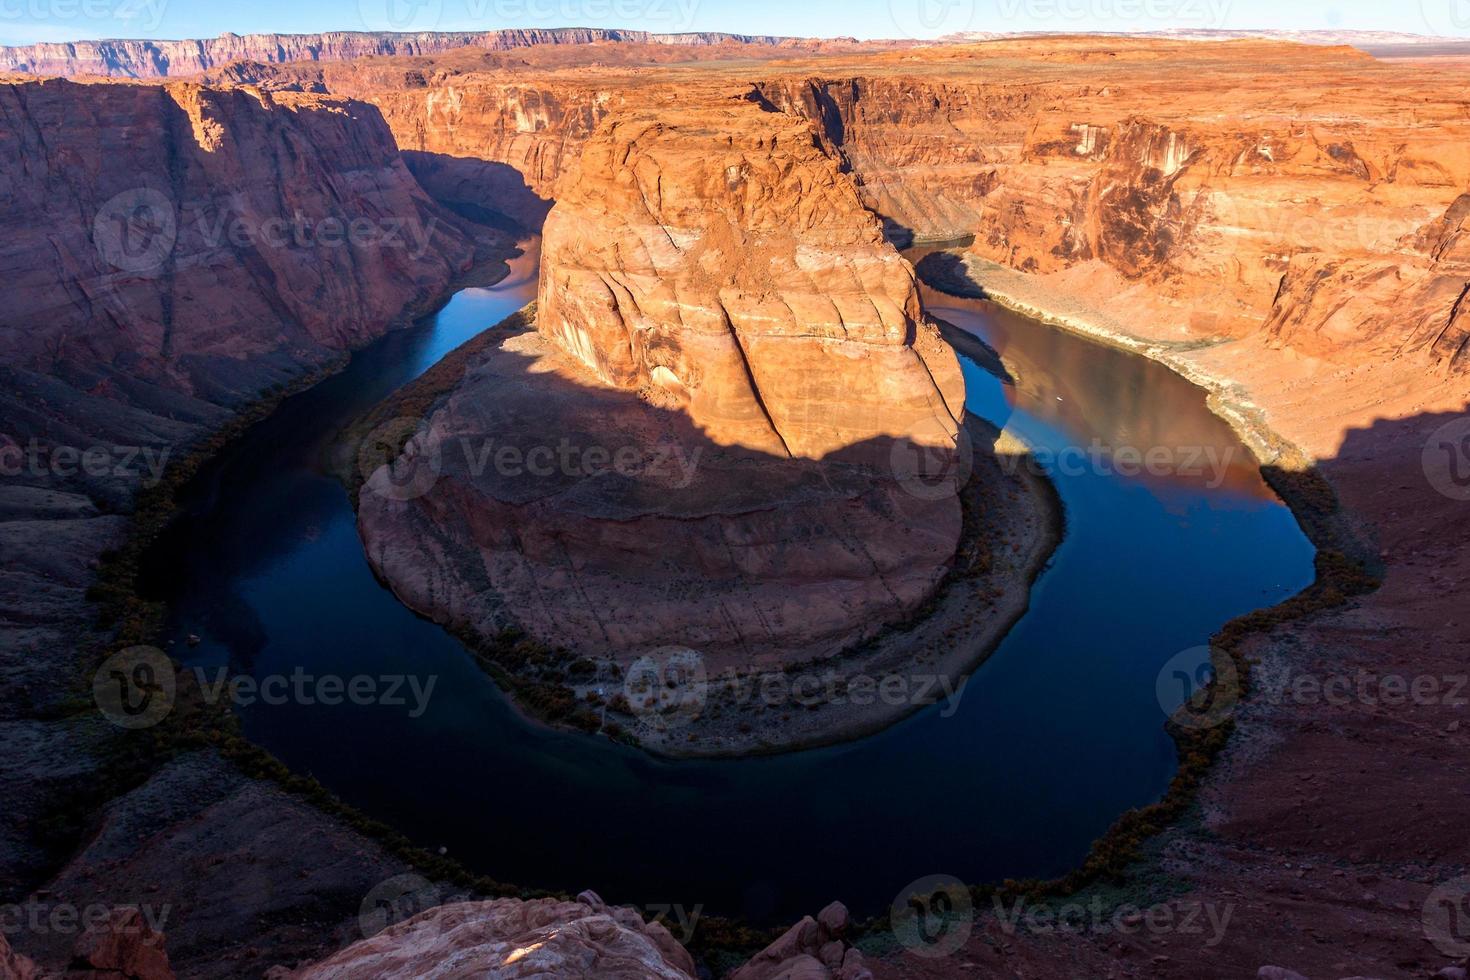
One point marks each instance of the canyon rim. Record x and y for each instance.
(721, 429)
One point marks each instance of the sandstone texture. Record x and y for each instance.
(509, 938)
(586, 938)
(724, 259)
(173, 251)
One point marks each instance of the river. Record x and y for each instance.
(1058, 733)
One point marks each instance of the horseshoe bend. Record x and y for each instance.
(435, 466)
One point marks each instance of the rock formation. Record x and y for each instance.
(813, 949)
(172, 251)
(1181, 180)
(721, 258)
(508, 939)
(723, 325)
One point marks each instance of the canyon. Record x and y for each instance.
(716, 304)
(1285, 225)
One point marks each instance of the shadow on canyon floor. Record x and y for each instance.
(486, 192)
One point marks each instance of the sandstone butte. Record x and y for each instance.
(712, 291)
(1281, 223)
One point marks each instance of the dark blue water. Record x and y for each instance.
(1057, 734)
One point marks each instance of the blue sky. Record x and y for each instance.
(27, 21)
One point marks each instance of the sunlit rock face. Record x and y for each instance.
(719, 259)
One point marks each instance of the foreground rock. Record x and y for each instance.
(508, 939)
(813, 949)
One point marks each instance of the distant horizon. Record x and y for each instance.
(24, 22)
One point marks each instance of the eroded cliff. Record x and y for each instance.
(722, 259)
(158, 59)
(174, 251)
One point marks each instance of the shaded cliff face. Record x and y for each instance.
(172, 251)
(723, 261)
(158, 59)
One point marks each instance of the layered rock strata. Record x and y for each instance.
(158, 59)
(720, 260)
(172, 251)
